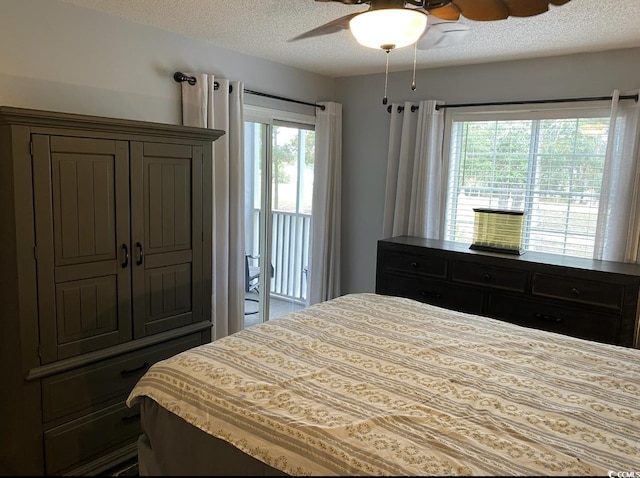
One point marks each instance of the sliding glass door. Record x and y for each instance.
(279, 155)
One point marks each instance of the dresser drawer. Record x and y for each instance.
(587, 298)
(80, 388)
(579, 322)
(433, 291)
(489, 276)
(88, 437)
(435, 266)
(577, 290)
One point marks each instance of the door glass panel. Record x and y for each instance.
(255, 158)
(278, 242)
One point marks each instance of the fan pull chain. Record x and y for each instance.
(415, 53)
(386, 77)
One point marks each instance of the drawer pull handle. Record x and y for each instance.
(415, 265)
(550, 318)
(575, 292)
(131, 418)
(487, 277)
(431, 294)
(141, 368)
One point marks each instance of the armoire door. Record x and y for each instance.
(166, 236)
(81, 197)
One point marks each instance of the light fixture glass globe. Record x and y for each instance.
(388, 28)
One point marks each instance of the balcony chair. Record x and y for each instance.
(252, 278)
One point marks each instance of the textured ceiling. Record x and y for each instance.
(262, 28)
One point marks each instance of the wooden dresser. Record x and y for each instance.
(105, 253)
(595, 300)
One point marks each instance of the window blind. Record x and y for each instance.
(549, 167)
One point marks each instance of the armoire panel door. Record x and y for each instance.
(81, 195)
(166, 209)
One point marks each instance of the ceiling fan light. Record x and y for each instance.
(388, 28)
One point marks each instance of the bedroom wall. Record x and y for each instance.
(366, 123)
(57, 56)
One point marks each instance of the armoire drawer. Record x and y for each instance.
(577, 290)
(436, 292)
(435, 266)
(88, 437)
(83, 387)
(489, 276)
(571, 320)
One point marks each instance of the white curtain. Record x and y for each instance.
(324, 267)
(415, 187)
(618, 230)
(206, 106)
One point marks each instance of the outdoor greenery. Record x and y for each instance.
(560, 157)
(285, 153)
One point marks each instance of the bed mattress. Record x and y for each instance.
(368, 384)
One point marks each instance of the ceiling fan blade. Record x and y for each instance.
(442, 33)
(334, 26)
(482, 10)
(527, 8)
(489, 10)
(348, 2)
(448, 12)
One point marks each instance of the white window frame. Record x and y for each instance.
(509, 113)
(261, 114)
(270, 117)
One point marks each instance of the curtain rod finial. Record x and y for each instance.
(180, 77)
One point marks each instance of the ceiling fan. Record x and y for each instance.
(390, 24)
(442, 26)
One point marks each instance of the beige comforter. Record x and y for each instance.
(369, 384)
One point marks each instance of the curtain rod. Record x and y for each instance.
(180, 77)
(523, 102)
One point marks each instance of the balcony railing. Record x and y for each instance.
(289, 253)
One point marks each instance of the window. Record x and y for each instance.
(547, 163)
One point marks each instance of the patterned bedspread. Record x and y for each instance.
(368, 384)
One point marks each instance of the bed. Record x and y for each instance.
(368, 384)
